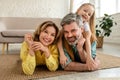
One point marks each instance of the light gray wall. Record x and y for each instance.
(34, 8)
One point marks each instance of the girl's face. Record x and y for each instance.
(47, 36)
(86, 12)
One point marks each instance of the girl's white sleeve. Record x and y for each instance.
(86, 26)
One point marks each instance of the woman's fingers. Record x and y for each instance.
(28, 37)
(36, 46)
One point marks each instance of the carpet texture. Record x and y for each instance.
(10, 67)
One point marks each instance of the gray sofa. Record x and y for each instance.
(12, 29)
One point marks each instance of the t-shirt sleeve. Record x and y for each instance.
(86, 26)
(93, 49)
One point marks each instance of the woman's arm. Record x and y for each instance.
(52, 61)
(50, 52)
(28, 61)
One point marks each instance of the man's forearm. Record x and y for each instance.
(82, 54)
(75, 66)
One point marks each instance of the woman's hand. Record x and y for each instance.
(36, 46)
(28, 38)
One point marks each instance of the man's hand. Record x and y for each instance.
(80, 44)
(80, 49)
(92, 65)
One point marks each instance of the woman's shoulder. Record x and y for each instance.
(53, 46)
(24, 43)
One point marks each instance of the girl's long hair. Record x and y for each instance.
(91, 21)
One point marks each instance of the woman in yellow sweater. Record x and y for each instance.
(41, 48)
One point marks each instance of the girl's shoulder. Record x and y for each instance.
(86, 23)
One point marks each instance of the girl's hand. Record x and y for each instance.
(63, 59)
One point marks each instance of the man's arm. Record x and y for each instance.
(75, 66)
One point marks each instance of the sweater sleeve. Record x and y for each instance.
(28, 61)
(52, 61)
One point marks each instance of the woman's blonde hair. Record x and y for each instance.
(42, 27)
(91, 21)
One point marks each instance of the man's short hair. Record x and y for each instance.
(72, 17)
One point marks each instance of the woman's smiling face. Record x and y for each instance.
(47, 36)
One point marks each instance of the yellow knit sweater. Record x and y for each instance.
(29, 62)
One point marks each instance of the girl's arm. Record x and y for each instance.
(87, 36)
(63, 58)
(90, 62)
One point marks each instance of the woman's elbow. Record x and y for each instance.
(54, 68)
(28, 70)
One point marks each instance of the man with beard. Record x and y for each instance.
(73, 44)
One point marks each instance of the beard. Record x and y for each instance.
(73, 40)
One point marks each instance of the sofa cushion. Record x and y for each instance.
(15, 33)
